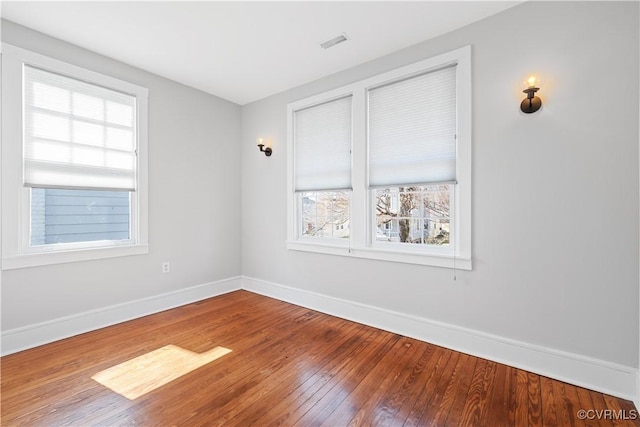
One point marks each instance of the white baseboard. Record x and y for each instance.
(606, 377)
(18, 339)
(610, 378)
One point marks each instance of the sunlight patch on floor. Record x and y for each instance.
(146, 373)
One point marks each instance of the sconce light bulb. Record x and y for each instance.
(531, 81)
(259, 140)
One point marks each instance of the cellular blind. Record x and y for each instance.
(412, 130)
(322, 138)
(77, 134)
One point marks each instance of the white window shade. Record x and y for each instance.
(322, 136)
(412, 130)
(76, 134)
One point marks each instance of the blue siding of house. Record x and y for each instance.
(64, 216)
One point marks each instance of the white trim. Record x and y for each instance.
(361, 240)
(595, 374)
(407, 257)
(19, 339)
(16, 251)
(73, 71)
(61, 257)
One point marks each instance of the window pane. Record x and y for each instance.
(323, 146)
(120, 113)
(51, 98)
(418, 215)
(412, 130)
(87, 133)
(88, 123)
(324, 214)
(68, 216)
(88, 106)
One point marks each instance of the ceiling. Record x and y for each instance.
(245, 51)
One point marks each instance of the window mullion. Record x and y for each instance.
(360, 215)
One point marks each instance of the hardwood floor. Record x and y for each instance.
(288, 366)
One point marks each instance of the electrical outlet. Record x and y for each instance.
(166, 267)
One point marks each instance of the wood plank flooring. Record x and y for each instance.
(288, 366)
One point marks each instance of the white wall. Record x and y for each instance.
(194, 202)
(555, 209)
(555, 197)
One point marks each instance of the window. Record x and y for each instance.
(414, 214)
(76, 141)
(400, 181)
(322, 176)
(324, 214)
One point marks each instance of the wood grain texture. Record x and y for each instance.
(143, 374)
(288, 366)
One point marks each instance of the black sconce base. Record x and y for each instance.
(267, 151)
(530, 105)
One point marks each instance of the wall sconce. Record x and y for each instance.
(267, 151)
(531, 103)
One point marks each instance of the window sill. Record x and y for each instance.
(61, 257)
(406, 257)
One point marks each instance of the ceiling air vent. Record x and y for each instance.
(334, 41)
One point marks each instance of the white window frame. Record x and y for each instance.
(16, 203)
(361, 243)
